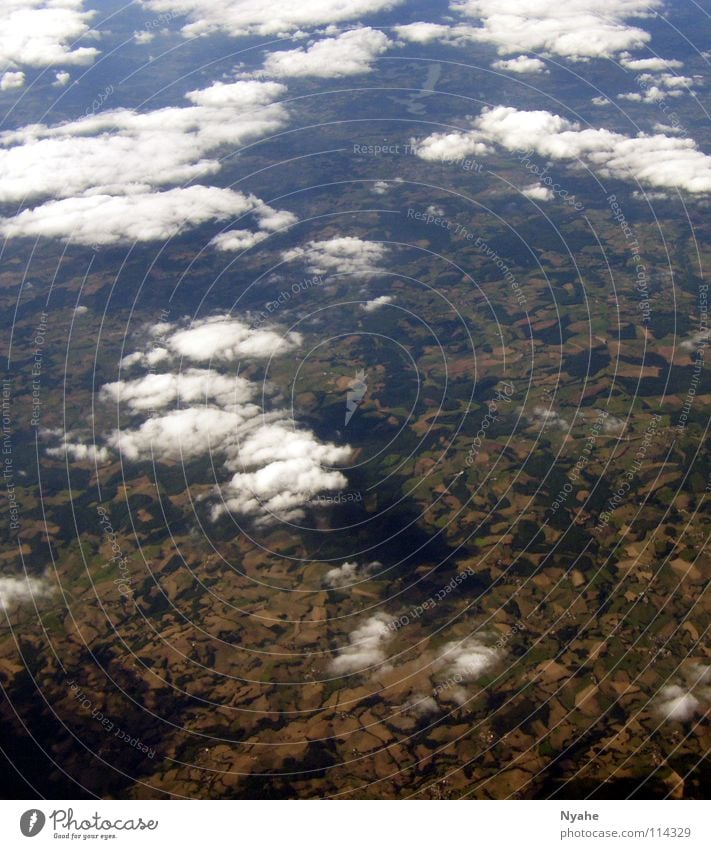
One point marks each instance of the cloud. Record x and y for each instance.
(40, 33)
(461, 662)
(122, 151)
(380, 187)
(340, 255)
(697, 340)
(348, 574)
(12, 79)
(578, 29)
(655, 160)
(366, 646)
(19, 590)
(113, 219)
(538, 192)
(253, 16)
(654, 63)
(79, 452)
(349, 53)
(521, 65)
(272, 467)
(542, 417)
(421, 705)
(61, 78)
(143, 36)
(682, 703)
(238, 240)
(101, 174)
(376, 303)
(422, 32)
(226, 339)
(157, 391)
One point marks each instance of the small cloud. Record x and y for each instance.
(366, 646)
(682, 702)
(521, 65)
(61, 78)
(376, 303)
(12, 79)
(538, 192)
(18, 590)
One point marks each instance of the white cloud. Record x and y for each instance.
(421, 705)
(40, 33)
(121, 151)
(61, 78)
(111, 219)
(79, 452)
(426, 33)
(349, 53)
(238, 240)
(156, 391)
(102, 171)
(12, 79)
(224, 338)
(348, 573)
(682, 703)
(366, 647)
(462, 662)
(274, 467)
(380, 187)
(578, 29)
(521, 65)
(697, 340)
(241, 17)
(654, 63)
(655, 160)
(538, 192)
(375, 303)
(24, 589)
(143, 36)
(542, 417)
(340, 255)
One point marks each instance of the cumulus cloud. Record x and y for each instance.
(105, 169)
(366, 646)
(542, 417)
(655, 160)
(376, 303)
(12, 79)
(578, 29)
(79, 452)
(682, 702)
(340, 255)
(462, 662)
(122, 151)
(521, 65)
(273, 467)
(347, 54)
(252, 16)
(380, 187)
(40, 33)
(156, 391)
(14, 590)
(538, 192)
(224, 338)
(653, 63)
(697, 340)
(348, 573)
(142, 217)
(61, 78)
(421, 705)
